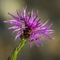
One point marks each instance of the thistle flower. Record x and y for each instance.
(29, 26)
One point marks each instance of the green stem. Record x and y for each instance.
(17, 49)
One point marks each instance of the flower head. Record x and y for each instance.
(29, 26)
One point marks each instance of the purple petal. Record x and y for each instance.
(36, 42)
(44, 38)
(35, 17)
(23, 13)
(13, 16)
(43, 28)
(18, 12)
(45, 23)
(16, 30)
(37, 32)
(19, 33)
(13, 22)
(50, 25)
(36, 23)
(40, 41)
(48, 36)
(13, 27)
(50, 30)
(33, 21)
(31, 36)
(31, 18)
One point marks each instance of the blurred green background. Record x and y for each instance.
(48, 9)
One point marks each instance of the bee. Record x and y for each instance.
(27, 32)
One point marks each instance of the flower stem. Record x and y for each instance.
(17, 49)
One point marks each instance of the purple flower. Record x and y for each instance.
(29, 26)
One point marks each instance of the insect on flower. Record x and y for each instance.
(29, 26)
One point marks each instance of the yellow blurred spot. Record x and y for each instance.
(10, 6)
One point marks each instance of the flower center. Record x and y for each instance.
(27, 32)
